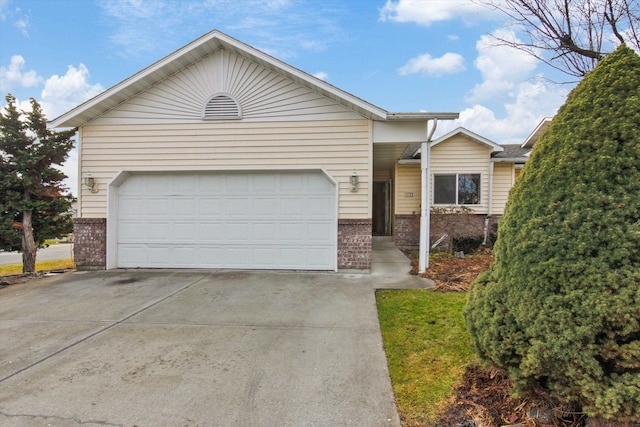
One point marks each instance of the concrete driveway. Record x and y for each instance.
(197, 348)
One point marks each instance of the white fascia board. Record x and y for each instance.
(422, 115)
(537, 132)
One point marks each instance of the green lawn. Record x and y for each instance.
(428, 349)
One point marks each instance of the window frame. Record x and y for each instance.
(457, 189)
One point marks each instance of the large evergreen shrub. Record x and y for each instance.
(560, 308)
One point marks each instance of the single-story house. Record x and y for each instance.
(221, 156)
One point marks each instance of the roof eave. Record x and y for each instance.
(419, 116)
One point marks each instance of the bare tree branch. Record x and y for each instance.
(571, 35)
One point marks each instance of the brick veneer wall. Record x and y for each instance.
(90, 243)
(406, 230)
(354, 244)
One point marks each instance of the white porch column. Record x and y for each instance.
(425, 203)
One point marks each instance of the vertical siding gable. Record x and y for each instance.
(263, 95)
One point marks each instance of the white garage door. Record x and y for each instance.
(257, 220)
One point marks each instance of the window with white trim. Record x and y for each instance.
(456, 189)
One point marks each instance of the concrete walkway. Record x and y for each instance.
(390, 268)
(198, 348)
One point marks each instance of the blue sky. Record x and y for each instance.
(401, 55)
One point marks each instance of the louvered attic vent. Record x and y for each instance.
(222, 106)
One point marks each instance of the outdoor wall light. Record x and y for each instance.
(90, 182)
(355, 181)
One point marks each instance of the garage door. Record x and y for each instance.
(240, 220)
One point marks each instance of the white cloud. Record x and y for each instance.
(427, 12)
(62, 93)
(448, 63)
(531, 102)
(501, 67)
(15, 74)
(321, 75)
(23, 26)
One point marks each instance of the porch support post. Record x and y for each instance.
(425, 203)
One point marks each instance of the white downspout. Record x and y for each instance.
(425, 203)
(491, 165)
(490, 207)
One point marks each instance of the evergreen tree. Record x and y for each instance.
(560, 307)
(33, 205)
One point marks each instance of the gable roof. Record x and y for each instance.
(206, 45)
(495, 147)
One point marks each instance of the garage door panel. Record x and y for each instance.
(237, 206)
(132, 255)
(293, 232)
(132, 231)
(238, 256)
(185, 256)
(265, 207)
(292, 206)
(265, 257)
(155, 207)
(211, 232)
(318, 256)
(211, 256)
(318, 231)
(131, 207)
(158, 256)
(183, 232)
(265, 184)
(237, 183)
(265, 231)
(184, 184)
(244, 220)
(153, 186)
(183, 206)
(211, 207)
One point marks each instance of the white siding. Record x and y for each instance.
(503, 179)
(261, 93)
(339, 146)
(461, 155)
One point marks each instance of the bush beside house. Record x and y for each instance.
(560, 308)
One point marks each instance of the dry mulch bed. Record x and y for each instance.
(483, 399)
(451, 273)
